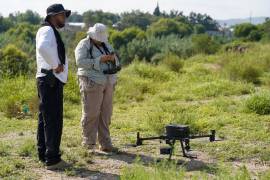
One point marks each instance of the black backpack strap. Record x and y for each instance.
(107, 52)
(106, 49)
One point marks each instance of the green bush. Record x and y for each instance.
(243, 69)
(122, 38)
(12, 108)
(157, 58)
(23, 36)
(165, 27)
(13, 61)
(182, 47)
(265, 28)
(243, 30)
(148, 48)
(142, 49)
(15, 93)
(236, 46)
(203, 43)
(174, 63)
(255, 35)
(259, 103)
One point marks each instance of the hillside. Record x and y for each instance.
(232, 22)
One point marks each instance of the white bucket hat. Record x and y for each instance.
(98, 32)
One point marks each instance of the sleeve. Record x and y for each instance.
(46, 47)
(82, 59)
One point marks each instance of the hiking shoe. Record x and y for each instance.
(110, 149)
(59, 166)
(91, 149)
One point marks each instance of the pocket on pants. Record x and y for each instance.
(114, 86)
(86, 84)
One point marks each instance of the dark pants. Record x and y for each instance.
(50, 121)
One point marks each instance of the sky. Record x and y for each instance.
(218, 9)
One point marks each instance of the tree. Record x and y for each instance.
(203, 19)
(157, 11)
(255, 35)
(23, 35)
(28, 16)
(136, 18)
(92, 17)
(5, 24)
(165, 27)
(75, 17)
(243, 30)
(265, 29)
(199, 29)
(120, 38)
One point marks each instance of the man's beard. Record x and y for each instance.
(60, 25)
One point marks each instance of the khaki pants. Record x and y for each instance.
(96, 112)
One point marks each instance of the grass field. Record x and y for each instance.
(228, 92)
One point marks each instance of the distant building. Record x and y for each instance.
(75, 26)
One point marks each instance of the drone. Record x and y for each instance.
(174, 133)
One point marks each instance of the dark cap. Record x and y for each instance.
(55, 9)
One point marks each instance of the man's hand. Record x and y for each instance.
(59, 69)
(106, 58)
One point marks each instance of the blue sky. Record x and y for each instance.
(218, 9)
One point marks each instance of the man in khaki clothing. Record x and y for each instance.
(94, 55)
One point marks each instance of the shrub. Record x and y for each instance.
(157, 58)
(23, 36)
(13, 61)
(203, 43)
(173, 62)
(255, 35)
(12, 108)
(259, 103)
(148, 48)
(15, 93)
(243, 30)
(142, 49)
(182, 47)
(236, 46)
(243, 69)
(165, 27)
(122, 38)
